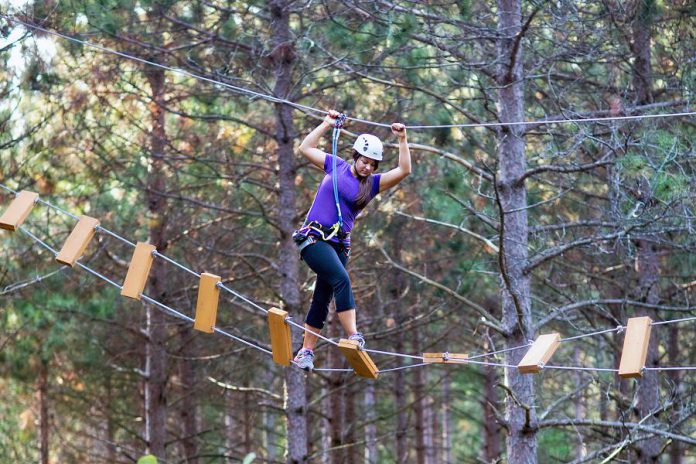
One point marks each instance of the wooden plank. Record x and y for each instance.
(281, 341)
(77, 241)
(206, 307)
(445, 358)
(539, 354)
(635, 347)
(138, 270)
(18, 210)
(359, 360)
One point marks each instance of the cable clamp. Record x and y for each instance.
(219, 285)
(340, 121)
(541, 365)
(620, 328)
(445, 356)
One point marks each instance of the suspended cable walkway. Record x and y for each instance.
(535, 360)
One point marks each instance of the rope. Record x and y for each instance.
(674, 321)
(391, 353)
(491, 353)
(334, 161)
(116, 236)
(142, 295)
(671, 368)
(248, 92)
(5, 187)
(572, 368)
(592, 334)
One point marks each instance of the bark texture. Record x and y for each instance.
(520, 414)
(155, 351)
(283, 59)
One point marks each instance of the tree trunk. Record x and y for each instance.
(447, 418)
(349, 419)
(418, 407)
(43, 412)
(155, 352)
(491, 428)
(188, 413)
(371, 427)
(675, 358)
(519, 411)
(402, 414)
(647, 259)
(231, 425)
(336, 400)
(430, 421)
(283, 59)
(580, 407)
(648, 394)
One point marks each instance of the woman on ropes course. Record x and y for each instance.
(324, 238)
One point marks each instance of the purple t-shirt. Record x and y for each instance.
(323, 208)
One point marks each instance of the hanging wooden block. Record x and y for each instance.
(281, 342)
(206, 307)
(445, 358)
(138, 270)
(539, 354)
(635, 347)
(77, 241)
(18, 210)
(359, 360)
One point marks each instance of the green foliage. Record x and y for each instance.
(667, 187)
(148, 459)
(555, 446)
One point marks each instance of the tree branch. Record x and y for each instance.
(487, 318)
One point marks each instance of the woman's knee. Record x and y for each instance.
(340, 280)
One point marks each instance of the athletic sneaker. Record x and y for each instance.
(305, 359)
(358, 337)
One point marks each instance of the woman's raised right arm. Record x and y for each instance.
(308, 147)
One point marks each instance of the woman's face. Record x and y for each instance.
(365, 166)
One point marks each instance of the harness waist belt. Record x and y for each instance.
(342, 236)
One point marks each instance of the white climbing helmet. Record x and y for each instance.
(369, 146)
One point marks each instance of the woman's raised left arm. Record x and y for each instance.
(391, 178)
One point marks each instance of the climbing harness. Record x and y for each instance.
(302, 237)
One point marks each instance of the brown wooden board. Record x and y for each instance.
(635, 347)
(18, 210)
(207, 304)
(138, 270)
(279, 331)
(539, 353)
(445, 358)
(76, 243)
(359, 360)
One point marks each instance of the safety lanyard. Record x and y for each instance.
(340, 120)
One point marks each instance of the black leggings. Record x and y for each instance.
(328, 260)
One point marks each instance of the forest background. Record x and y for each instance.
(502, 232)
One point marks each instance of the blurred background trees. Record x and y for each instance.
(596, 223)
